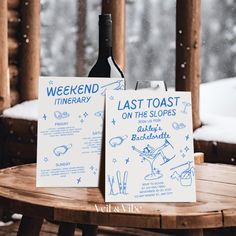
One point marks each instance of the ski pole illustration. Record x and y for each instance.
(118, 176)
(111, 182)
(125, 182)
(113, 86)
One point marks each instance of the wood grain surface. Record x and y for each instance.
(215, 206)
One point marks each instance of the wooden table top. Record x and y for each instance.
(215, 206)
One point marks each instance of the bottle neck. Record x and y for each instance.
(105, 41)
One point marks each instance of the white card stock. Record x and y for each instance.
(70, 126)
(149, 147)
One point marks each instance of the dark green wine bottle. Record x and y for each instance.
(105, 65)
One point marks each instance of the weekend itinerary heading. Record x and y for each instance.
(72, 94)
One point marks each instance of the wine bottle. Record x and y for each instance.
(105, 65)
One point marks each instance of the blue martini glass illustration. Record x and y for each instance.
(150, 154)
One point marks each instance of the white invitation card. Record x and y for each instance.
(70, 126)
(149, 147)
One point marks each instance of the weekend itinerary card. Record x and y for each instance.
(70, 127)
(149, 147)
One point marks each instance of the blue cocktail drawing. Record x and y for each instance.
(150, 154)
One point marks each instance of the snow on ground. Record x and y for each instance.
(218, 111)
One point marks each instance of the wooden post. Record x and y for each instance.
(81, 36)
(117, 9)
(13, 46)
(13, 4)
(4, 75)
(13, 19)
(30, 55)
(188, 45)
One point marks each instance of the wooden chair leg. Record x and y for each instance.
(30, 226)
(66, 229)
(89, 230)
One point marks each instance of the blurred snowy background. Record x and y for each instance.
(150, 39)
